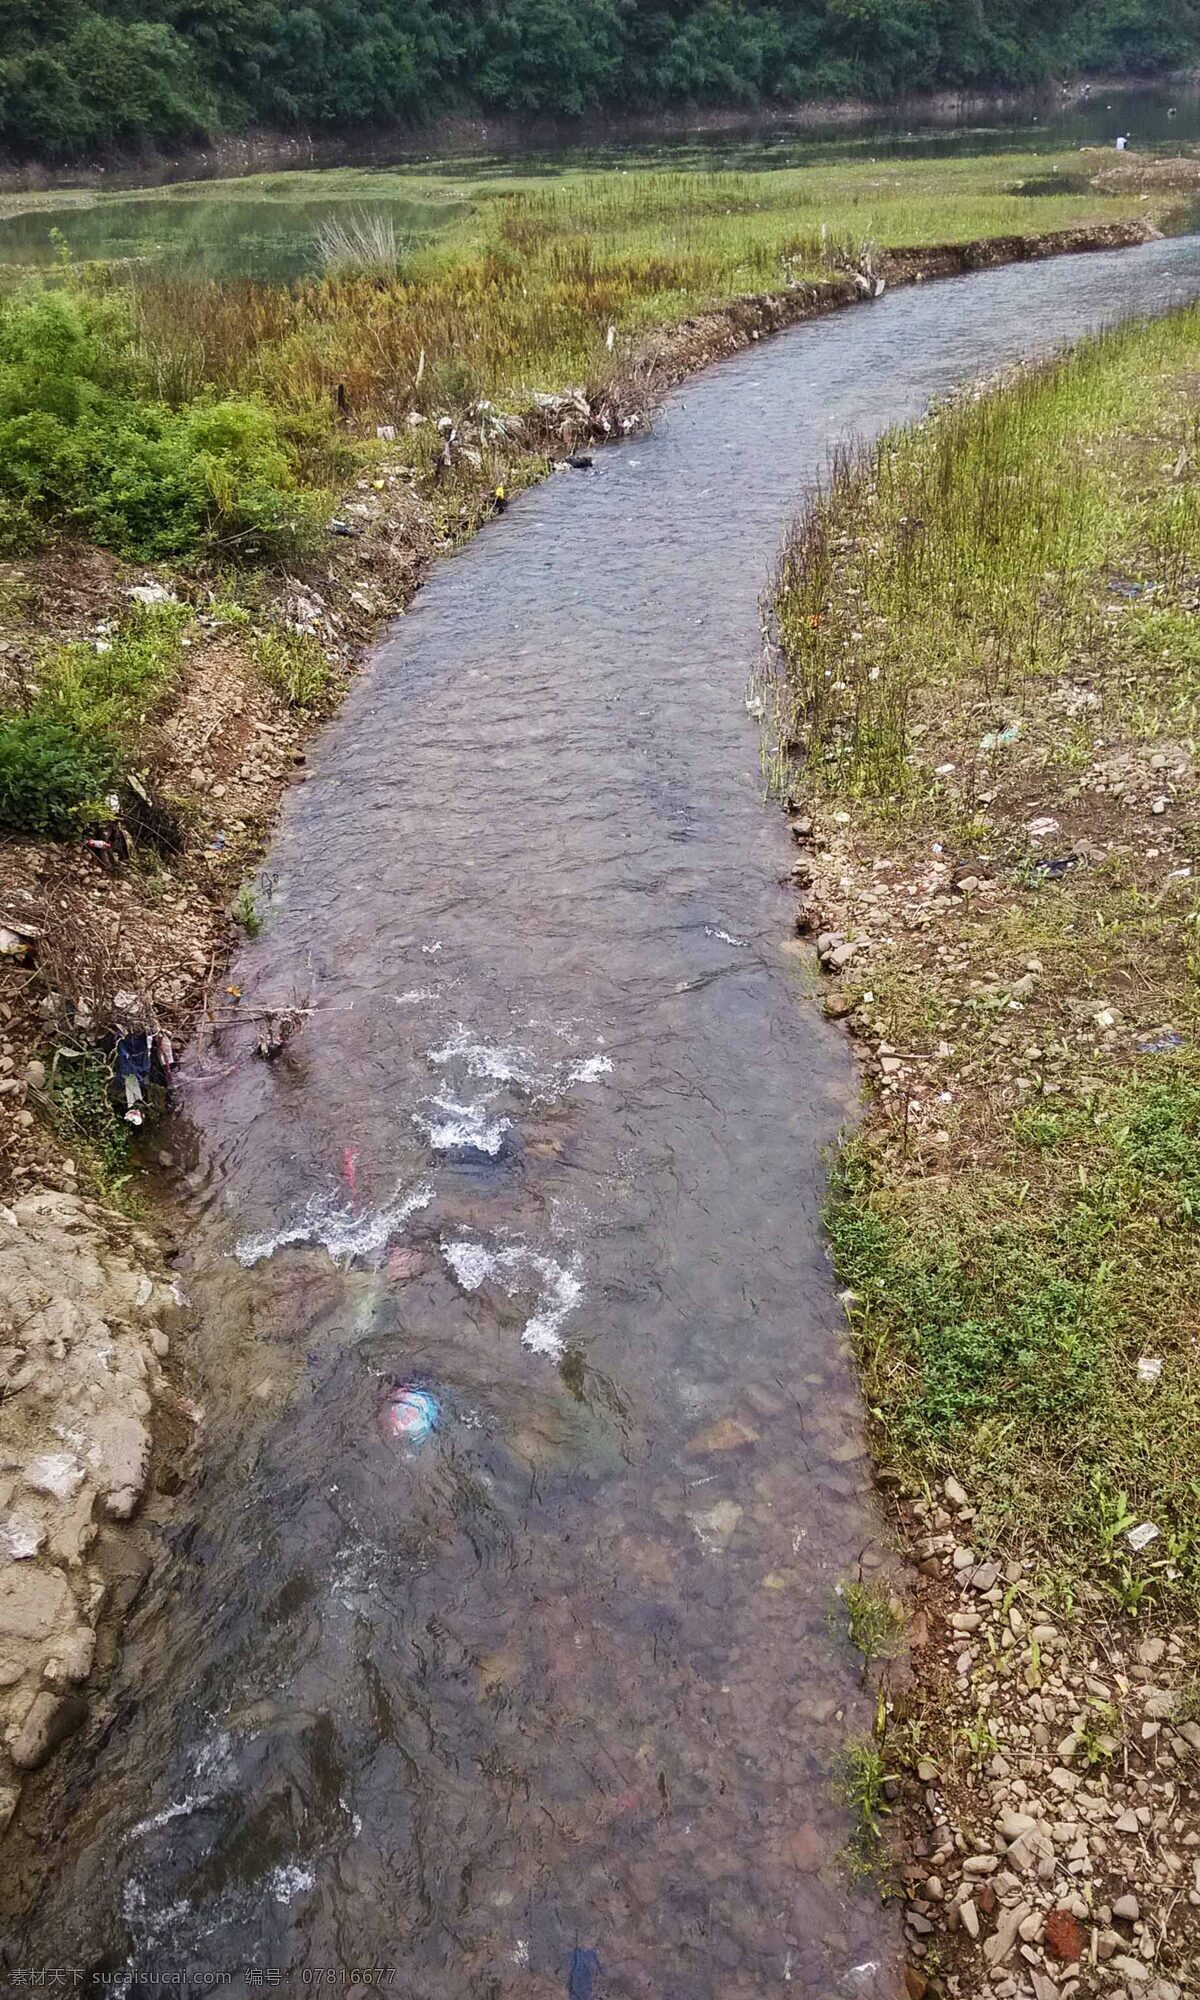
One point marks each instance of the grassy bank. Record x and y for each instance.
(993, 688)
(987, 710)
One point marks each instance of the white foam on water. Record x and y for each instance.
(343, 1232)
(180, 1810)
(457, 1126)
(559, 1289)
(488, 1060)
(470, 1263)
(563, 1292)
(724, 936)
(285, 1884)
(590, 1070)
(493, 1062)
(414, 996)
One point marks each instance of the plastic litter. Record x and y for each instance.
(142, 1059)
(1158, 1043)
(1149, 1367)
(581, 461)
(1054, 868)
(585, 1966)
(133, 1074)
(412, 1414)
(998, 739)
(1141, 1536)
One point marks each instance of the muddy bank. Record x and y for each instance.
(449, 137)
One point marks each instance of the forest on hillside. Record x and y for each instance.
(77, 76)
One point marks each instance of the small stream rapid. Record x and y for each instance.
(550, 1693)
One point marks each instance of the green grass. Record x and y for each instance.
(246, 911)
(861, 1783)
(294, 664)
(1019, 1222)
(81, 728)
(1000, 1326)
(519, 291)
(875, 1628)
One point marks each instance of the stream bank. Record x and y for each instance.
(987, 707)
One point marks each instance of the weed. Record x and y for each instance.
(86, 1118)
(862, 1784)
(51, 777)
(81, 731)
(246, 911)
(874, 1626)
(295, 665)
(364, 243)
(1096, 1736)
(980, 1739)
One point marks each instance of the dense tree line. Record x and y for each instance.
(79, 75)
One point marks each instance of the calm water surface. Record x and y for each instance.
(557, 1679)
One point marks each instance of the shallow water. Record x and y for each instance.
(558, 1677)
(210, 236)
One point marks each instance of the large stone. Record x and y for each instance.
(121, 1460)
(50, 1720)
(73, 1656)
(34, 1603)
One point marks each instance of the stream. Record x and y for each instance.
(492, 1652)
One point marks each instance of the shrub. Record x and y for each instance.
(50, 774)
(82, 445)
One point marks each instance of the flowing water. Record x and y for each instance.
(556, 1678)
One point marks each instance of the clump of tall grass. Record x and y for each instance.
(364, 244)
